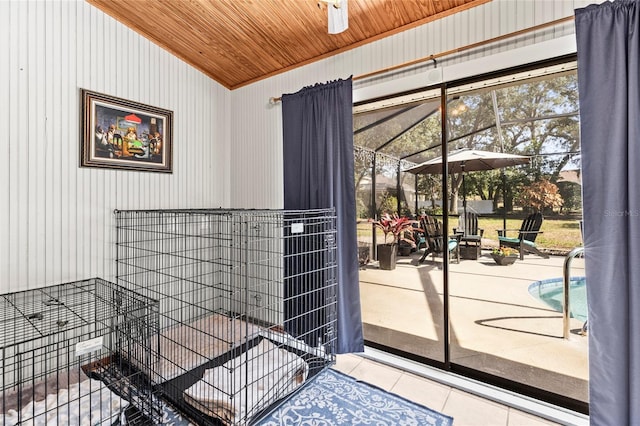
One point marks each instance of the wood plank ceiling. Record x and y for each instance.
(238, 42)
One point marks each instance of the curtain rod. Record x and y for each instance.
(433, 57)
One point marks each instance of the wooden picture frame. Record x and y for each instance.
(126, 135)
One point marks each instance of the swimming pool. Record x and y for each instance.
(550, 292)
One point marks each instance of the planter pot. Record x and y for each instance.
(503, 260)
(363, 254)
(404, 249)
(387, 256)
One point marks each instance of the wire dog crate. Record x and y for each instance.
(247, 303)
(62, 348)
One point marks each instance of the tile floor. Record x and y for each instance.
(466, 408)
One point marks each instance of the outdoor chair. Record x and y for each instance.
(525, 242)
(470, 235)
(434, 235)
(418, 236)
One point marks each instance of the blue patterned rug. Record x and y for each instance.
(333, 398)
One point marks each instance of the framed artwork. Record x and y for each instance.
(122, 134)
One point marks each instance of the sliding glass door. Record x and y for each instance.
(513, 158)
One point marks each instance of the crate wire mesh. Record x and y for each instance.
(61, 350)
(247, 303)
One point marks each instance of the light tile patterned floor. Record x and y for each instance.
(466, 409)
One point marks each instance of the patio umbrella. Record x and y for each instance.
(470, 160)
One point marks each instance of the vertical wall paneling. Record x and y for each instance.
(67, 94)
(56, 218)
(525, 17)
(20, 175)
(31, 152)
(5, 92)
(79, 178)
(38, 152)
(92, 179)
(52, 124)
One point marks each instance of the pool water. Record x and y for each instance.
(550, 292)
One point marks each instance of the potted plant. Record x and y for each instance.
(395, 229)
(504, 255)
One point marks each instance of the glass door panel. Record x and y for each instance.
(401, 307)
(507, 321)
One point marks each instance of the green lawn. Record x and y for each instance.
(557, 234)
(560, 234)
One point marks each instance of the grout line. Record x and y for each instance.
(396, 382)
(446, 400)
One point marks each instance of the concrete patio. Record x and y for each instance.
(496, 325)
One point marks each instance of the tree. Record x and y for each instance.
(541, 195)
(537, 117)
(572, 196)
(387, 202)
(540, 118)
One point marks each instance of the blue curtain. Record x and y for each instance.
(319, 173)
(608, 42)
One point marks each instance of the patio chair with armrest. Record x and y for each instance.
(525, 242)
(470, 235)
(434, 235)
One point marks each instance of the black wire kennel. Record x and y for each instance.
(63, 350)
(247, 303)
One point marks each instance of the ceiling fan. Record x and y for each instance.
(338, 15)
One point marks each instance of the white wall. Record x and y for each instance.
(257, 125)
(56, 222)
